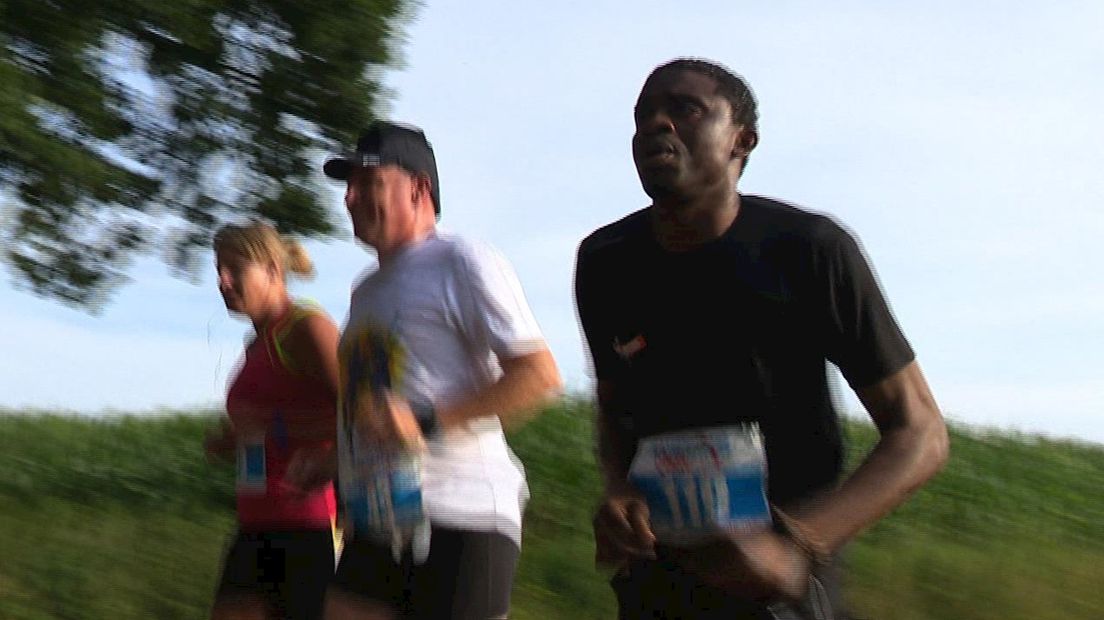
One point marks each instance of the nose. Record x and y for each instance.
(654, 120)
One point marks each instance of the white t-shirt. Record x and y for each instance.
(443, 312)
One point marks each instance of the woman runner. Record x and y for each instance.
(281, 419)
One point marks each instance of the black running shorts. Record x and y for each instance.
(289, 571)
(661, 590)
(467, 576)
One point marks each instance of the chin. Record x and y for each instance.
(365, 235)
(663, 190)
(661, 184)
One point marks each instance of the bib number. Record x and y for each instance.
(703, 482)
(252, 474)
(384, 493)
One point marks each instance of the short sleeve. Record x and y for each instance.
(494, 311)
(862, 336)
(592, 307)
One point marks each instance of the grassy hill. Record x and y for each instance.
(123, 518)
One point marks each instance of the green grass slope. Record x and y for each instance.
(123, 518)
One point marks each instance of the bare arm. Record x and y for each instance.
(912, 448)
(312, 344)
(615, 449)
(622, 529)
(527, 383)
(220, 445)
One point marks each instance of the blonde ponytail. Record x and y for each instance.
(260, 242)
(298, 261)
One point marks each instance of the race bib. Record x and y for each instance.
(703, 482)
(251, 465)
(387, 495)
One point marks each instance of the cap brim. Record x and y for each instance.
(338, 168)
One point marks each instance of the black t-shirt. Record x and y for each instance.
(738, 330)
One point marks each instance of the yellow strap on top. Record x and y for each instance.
(299, 311)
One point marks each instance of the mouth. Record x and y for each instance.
(657, 152)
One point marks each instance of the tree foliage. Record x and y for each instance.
(142, 125)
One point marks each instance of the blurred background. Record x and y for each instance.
(960, 143)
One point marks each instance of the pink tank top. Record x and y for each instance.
(275, 410)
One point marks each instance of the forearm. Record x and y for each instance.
(912, 448)
(223, 448)
(901, 462)
(527, 383)
(615, 447)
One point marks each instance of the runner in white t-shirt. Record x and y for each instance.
(440, 347)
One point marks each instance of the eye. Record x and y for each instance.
(687, 108)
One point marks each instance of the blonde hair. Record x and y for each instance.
(259, 242)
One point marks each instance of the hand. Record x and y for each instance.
(219, 445)
(622, 530)
(309, 469)
(390, 422)
(763, 566)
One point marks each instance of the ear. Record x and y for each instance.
(421, 186)
(745, 143)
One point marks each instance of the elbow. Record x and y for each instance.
(939, 445)
(936, 444)
(542, 376)
(551, 382)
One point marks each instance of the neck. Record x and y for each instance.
(386, 255)
(423, 227)
(686, 224)
(271, 312)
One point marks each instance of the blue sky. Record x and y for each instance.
(960, 143)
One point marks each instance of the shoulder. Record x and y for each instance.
(363, 281)
(313, 321)
(308, 327)
(467, 255)
(304, 337)
(459, 246)
(614, 236)
(784, 220)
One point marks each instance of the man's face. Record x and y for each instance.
(381, 206)
(685, 140)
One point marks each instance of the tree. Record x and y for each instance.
(142, 125)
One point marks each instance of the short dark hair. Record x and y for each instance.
(730, 85)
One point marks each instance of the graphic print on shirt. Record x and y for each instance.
(381, 487)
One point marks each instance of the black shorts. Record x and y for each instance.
(467, 575)
(660, 590)
(289, 571)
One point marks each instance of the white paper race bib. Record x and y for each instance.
(251, 465)
(387, 494)
(703, 482)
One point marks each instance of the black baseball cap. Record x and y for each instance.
(384, 143)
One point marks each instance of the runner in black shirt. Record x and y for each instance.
(710, 309)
